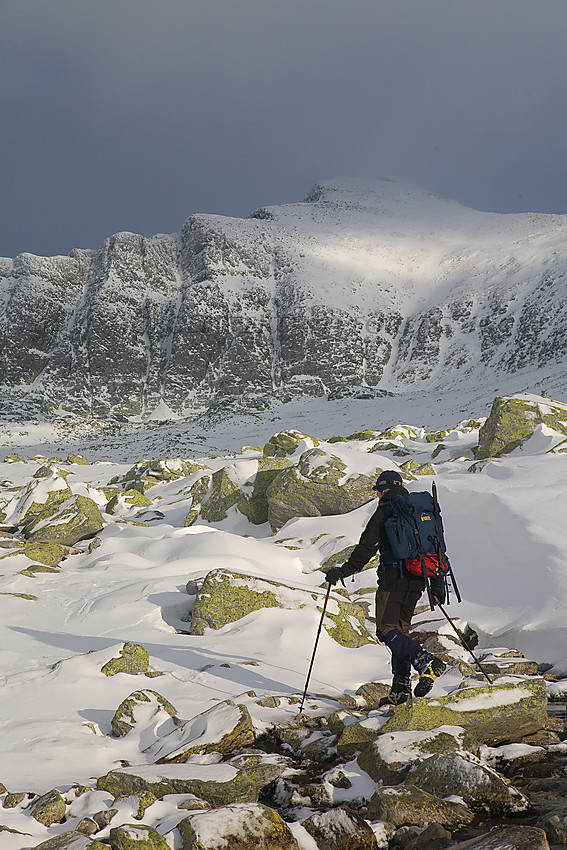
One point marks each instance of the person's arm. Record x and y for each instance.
(364, 550)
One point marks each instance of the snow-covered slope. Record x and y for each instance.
(379, 284)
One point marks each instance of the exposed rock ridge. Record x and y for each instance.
(376, 284)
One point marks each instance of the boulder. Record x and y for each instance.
(288, 443)
(66, 522)
(148, 473)
(359, 734)
(239, 827)
(127, 500)
(492, 714)
(389, 758)
(234, 781)
(141, 708)
(513, 420)
(340, 829)
(408, 805)
(317, 486)
(133, 659)
(255, 506)
(226, 597)
(462, 775)
(224, 728)
(433, 837)
(131, 836)
(507, 838)
(71, 841)
(48, 809)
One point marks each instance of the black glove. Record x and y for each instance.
(437, 586)
(336, 574)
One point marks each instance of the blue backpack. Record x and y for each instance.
(415, 533)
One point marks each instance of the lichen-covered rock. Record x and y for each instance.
(462, 775)
(225, 489)
(48, 554)
(226, 597)
(131, 836)
(141, 707)
(255, 505)
(48, 809)
(233, 781)
(133, 659)
(224, 728)
(78, 459)
(148, 473)
(340, 829)
(70, 841)
(513, 420)
(289, 443)
(492, 714)
(507, 838)
(406, 805)
(239, 827)
(65, 522)
(389, 758)
(317, 486)
(358, 735)
(128, 500)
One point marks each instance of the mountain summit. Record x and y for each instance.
(370, 283)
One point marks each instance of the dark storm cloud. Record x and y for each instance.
(132, 114)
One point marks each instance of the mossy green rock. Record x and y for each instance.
(218, 784)
(71, 841)
(255, 506)
(131, 836)
(48, 554)
(78, 459)
(133, 659)
(492, 714)
(356, 736)
(389, 758)
(48, 809)
(406, 805)
(242, 826)
(462, 775)
(226, 597)
(223, 494)
(65, 522)
(144, 702)
(128, 499)
(148, 473)
(317, 486)
(514, 420)
(286, 443)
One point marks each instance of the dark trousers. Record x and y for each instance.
(394, 610)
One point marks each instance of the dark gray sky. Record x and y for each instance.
(133, 114)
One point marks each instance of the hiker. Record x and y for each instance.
(396, 598)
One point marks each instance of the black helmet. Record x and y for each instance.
(388, 478)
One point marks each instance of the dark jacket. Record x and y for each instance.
(391, 574)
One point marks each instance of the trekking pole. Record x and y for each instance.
(463, 644)
(315, 648)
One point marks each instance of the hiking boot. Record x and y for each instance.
(426, 678)
(394, 698)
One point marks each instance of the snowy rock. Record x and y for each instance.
(513, 420)
(223, 729)
(406, 804)
(240, 827)
(389, 758)
(218, 784)
(48, 809)
(136, 837)
(70, 841)
(140, 709)
(65, 522)
(492, 714)
(317, 486)
(226, 597)
(461, 775)
(507, 838)
(133, 659)
(340, 829)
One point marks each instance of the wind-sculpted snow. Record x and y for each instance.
(376, 284)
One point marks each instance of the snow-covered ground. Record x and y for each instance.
(505, 529)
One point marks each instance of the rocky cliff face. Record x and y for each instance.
(374, 284)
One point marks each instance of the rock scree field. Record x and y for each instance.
(159, 611)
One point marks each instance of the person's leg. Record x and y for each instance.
(388, 611)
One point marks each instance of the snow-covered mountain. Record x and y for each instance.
(378, 284)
